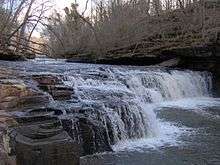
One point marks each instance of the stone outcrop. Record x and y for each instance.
(35, 133)
(50, 135)
(199, 55)
(45, 144)
(16, 94)
(90, 135)
(54, 86)
(155, 51)
(18, 91)
(38, 115)
(11, 56)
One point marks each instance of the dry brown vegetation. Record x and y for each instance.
(19, 19)
(133, 26)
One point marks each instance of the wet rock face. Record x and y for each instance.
(54, 86)
(99, 126)
(90, 135)
(86, 131)
(38, 115)
(16, 94)
(104, 116)
(94, 135)
(70, 137)
(116, 110)
(45, 144)
(40, 138)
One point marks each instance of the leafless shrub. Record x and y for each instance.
(19, 19)
(114, 24)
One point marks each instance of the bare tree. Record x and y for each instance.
(136, 25)
(17, 16)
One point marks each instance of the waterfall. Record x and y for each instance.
(125, 97)
(173, 85)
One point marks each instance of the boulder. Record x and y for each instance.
(16, 94)
(53, 85)
(45, 144)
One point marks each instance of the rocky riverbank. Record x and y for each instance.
(32, 131)
(45, 120)
(10, 55)
(199, 57)
(36, 127)
(20, 94)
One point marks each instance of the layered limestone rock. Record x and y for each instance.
(45, 144)
(41, 134)
(54, 86)
(90, 135)
(16, 94)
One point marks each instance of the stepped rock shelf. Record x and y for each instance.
(38, 133)
(33, 131)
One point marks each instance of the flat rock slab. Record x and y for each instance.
(16, 94)
(58, 149)
(53, 85)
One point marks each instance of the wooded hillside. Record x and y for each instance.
(133, 27)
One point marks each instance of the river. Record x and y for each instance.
(152, 115)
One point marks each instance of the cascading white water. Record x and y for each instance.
(115, 107)
(127, 96)
(160, 86)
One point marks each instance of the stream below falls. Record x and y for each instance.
(151, 115)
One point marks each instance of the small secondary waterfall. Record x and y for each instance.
(121, 98)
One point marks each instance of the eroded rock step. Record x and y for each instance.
(20, 102)
(36, 134)
(54, 86)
